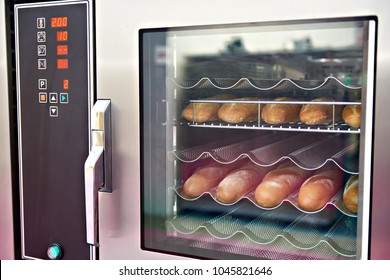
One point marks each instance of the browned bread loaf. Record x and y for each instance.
(320, 114)
(239, 112)
(280, 183)
(205, 178)
(351, 115)
(351, 194)
(205, 112)
(281, 113)
(239, 182)
(320, 188)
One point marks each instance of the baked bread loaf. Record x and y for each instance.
(351, 194)
(204, 112)
(320, 114)
(351, 115)
(239, 112)
(239, 182)
(281, 113)
(320, 188)
(205, 178)
(280, 183)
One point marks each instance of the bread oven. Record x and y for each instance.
(248, 132)
(257, 139)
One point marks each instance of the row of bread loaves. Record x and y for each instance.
(311, 114)
(316, 188)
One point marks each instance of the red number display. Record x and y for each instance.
(59, 22)
(62, 49)
(65, 84)
(62, 63)
(62, 36)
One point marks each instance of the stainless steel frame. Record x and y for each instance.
(117, 25)
(6, 216)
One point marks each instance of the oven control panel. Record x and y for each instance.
(55, 93)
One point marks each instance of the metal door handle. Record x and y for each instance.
(97, 167)
(93, 169)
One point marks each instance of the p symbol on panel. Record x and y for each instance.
(42, 84)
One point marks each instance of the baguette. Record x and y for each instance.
(320, 114)
(204, 112)
(205, 178)
(238, 183)
(351, 115)
(280, 183)
(239, 112)
(320, 188)
(281, 113)
(351, 194)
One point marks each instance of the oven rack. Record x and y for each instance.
(301, 233)
(338, 127)
(308, 151)
(328, 83)
(240, 244)
(336, 201)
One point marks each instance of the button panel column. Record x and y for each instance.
(54, 89)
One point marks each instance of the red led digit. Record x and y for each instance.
(62, 49)
(62, 36)
(62, 63)
(65, 84)
(64, 21)
(53, 22)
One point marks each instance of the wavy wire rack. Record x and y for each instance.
(268, 229)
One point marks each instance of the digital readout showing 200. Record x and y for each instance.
(61, 36)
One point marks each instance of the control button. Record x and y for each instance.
(42, 50)
(64, 97)
(53, 97)
(42, 84)
(42, 97)
(54, 251)
(53, 111)
(41, 23)
(41, 36)
(41, 64)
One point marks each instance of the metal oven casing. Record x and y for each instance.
(117, 24)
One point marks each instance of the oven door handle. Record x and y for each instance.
(97, 167)
(93, 182)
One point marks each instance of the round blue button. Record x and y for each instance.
(54, 251)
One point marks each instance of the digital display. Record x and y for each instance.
(65, 84)
(59, 22)
(62, 49)
(62, 36)
(62, 63)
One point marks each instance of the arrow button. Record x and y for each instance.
(64, 97)
(53, 111)
(53, 97)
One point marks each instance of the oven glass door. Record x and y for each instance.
(256, 139)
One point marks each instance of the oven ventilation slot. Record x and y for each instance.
(302, 232)
(262, 84)
(270, 150)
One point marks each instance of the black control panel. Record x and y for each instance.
(54, 95)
